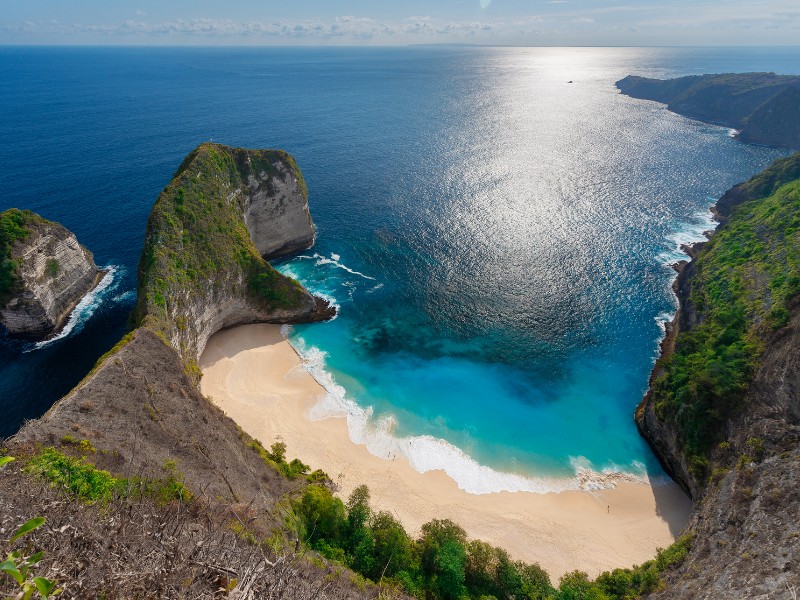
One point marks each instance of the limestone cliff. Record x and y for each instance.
(45, 273)
(764, 107)
(200, 271)
(723, 409)
(203, 267)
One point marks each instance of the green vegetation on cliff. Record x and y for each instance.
(764, 106)
(82, 479)
(443, 564)
(743, 280)
(14, 224)
(197, 243)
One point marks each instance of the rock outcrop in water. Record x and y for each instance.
(44, 273)
(723, 410)
(764, 107)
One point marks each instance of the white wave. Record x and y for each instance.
(426, 453)
(733, 132)
(125, 297)
(686, 234)
(334, 261)
(84, 310)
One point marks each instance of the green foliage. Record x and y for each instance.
(744, 279)
(323, 517)
(20, 567)
(443, 564)
(27, 527)
(14, 226)
(51, 268)
(275, 457)
(84, 446)
(90, 484)
(79, 478)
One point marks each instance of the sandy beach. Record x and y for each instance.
(255, 376)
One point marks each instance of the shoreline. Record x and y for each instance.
(257, 378)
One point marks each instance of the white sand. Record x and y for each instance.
(255, 376)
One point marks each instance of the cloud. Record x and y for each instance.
(346, 27)
(562, 22)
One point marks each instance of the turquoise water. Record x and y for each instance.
(497, 239)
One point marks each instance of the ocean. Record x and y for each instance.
(496, 226)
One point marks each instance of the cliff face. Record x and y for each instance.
(763, 106)
(203, 267)
(48, 274)
(200, 271)
(140, 410)
(275, 210)
(723, 410)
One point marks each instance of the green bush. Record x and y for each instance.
(85, 481)
(14, 226)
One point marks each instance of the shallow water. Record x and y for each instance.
(497, 238)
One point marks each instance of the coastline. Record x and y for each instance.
(255, 376)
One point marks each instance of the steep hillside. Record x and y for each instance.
(763, 106)
(139, 417)
(723, 410)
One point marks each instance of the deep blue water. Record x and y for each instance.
(497, 238)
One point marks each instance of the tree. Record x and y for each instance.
(434, 535)
(393, 547)
(322, 515)
(576, 586)
(449, 567)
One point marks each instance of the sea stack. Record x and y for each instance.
(44, 273)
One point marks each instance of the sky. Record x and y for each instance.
(385, 22)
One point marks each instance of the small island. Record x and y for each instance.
(44, 273)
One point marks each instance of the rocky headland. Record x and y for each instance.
(204, 264)
(139, 415)
(723, 409)
(44, 273)
(763, 107)
(200, 272)
(136, 437)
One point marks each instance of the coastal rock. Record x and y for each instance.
(746, 506)
(203, 266)
(276, 212)
(49, 273)
(763, 107)
(200, 271)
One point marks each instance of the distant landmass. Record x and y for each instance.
(763, 107)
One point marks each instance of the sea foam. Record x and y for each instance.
(687, 233)
(84, 310)
(426, 453)
(334, 260)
